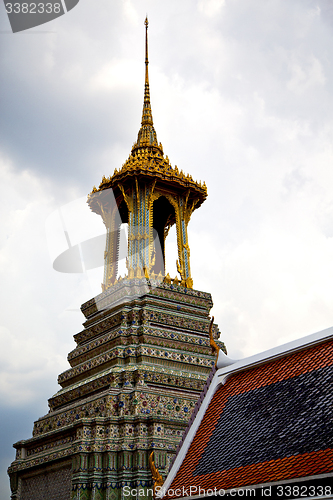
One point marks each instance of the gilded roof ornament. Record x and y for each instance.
(213, 344)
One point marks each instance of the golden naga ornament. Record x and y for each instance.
(213, 344)
(157, 478)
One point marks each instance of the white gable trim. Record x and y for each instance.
(228, 370)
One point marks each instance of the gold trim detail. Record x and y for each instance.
(153, 165)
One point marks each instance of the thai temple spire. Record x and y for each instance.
(147, 118)
(149, 195)
(147, 135)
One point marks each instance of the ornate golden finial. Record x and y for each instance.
(146, 59)
(157, 478)
(213, 344)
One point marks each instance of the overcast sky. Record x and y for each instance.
(242, 97)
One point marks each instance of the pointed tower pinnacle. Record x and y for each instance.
(147, 118)
(147, 136)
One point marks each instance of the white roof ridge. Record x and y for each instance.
(277, 351)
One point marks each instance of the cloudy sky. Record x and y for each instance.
(242, 97)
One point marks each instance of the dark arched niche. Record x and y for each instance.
(123, 211)
(163, 217)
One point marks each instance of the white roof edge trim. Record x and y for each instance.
(220, 379)
(224, 360)
(277, 352)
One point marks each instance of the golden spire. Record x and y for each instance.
(147, 118)
(147, 135)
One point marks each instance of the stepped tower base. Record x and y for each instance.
(134, 378)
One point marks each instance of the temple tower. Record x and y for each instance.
(144, 353)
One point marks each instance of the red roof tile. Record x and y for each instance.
(290, 366)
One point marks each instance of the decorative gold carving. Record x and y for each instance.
(157, 478)
(130, 272)
(146, 273)
(189, 210)
(213, 344)
(151, 191)
(151, 198)
(137, 195)
(189, 282)
(152, 164)
(169, 223)
(186, 198)
(127, 199)
(167, 279)
(179, 268)
(187, 248)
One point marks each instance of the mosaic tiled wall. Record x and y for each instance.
(50, 485)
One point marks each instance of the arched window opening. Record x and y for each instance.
(163, 218)
(122, 250)
(171, 253)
